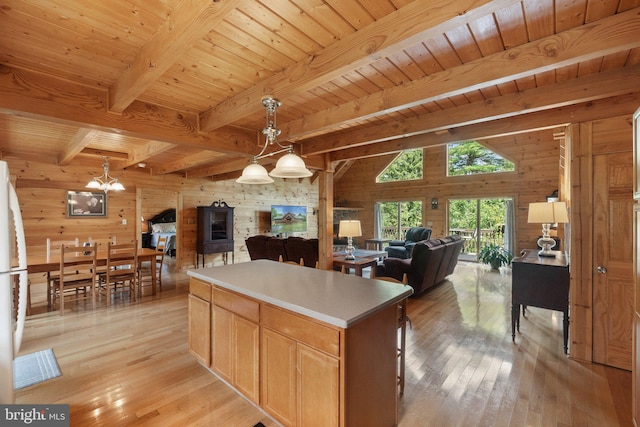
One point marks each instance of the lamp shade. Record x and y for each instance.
(290, 166)
(349, 228)
(254, 174)
(548, 213)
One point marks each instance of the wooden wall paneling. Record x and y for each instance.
(536, 155)
(42, 193)
(636, 253)
(581, 344)
(612, 135)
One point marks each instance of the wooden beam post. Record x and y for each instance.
(325, 216)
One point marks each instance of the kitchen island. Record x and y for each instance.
(309, 346)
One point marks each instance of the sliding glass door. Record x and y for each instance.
(479, 222)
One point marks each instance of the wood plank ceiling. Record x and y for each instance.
(177, 84)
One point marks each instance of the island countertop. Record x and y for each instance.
(332, 297)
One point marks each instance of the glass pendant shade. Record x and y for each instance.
(290, 166)
(93, 184)
(105, 182)
(255, 174)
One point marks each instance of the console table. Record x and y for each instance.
(540, 282)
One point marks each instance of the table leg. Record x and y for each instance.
(359, 270)
(565, 330)
(515, 313)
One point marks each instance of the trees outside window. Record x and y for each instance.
(398, 217)
(470, 157)
(405, 167)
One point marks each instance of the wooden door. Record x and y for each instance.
(613, 278)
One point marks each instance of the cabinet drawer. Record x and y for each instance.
(200, 289)
(238, 304)
(302, 329)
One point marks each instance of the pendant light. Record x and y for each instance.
(105, 182)
(288, 166)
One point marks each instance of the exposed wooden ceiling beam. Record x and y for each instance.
(46, 98)
(616, 33)
(148, 150)
(191, 161)
(105, 153)
(80, 140)
(575, 91)
(222, 166)
(405, 27)
(189, 22)
(610, 107)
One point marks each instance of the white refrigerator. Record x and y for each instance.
(13, 265)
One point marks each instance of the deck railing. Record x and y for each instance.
(468, 235)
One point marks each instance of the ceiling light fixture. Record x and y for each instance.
(105, 182)
(288, 166)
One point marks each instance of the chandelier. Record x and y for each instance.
(105, 182)
(288, 166)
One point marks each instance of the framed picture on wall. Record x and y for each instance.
(86, 204)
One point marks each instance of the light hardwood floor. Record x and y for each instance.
(128, 364)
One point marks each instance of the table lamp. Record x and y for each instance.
(350, 229)
(547, 213)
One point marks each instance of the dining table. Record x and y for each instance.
(45, 264)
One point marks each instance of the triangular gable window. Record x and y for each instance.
(406, 166)
(470, 157)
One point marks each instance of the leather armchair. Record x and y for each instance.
(404, 248)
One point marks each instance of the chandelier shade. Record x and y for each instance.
(105, 182)
(288, 166)
(255, 174)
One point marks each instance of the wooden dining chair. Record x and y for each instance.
(121, 273)
(54, 250)
(280, 259)
(76, 280)
(145, 270)
(403, 319)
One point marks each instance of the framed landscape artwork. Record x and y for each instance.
(86, 204)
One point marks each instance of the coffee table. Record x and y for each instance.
(363, 260)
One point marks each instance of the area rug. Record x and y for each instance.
(34, 368)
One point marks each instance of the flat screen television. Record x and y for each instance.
(288, 219)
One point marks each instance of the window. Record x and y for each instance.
(398, 217)
(405, 167)
(470, 157)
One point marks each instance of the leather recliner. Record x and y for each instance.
(403, 248)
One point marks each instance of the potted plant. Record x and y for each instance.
(494, 255)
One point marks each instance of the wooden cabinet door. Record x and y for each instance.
(199, 329)
(279, 376)
(318, 388)
(222, 342)
(246, 345)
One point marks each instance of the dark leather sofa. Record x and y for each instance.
(291, 249)
(431, 262)
(403, 248)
